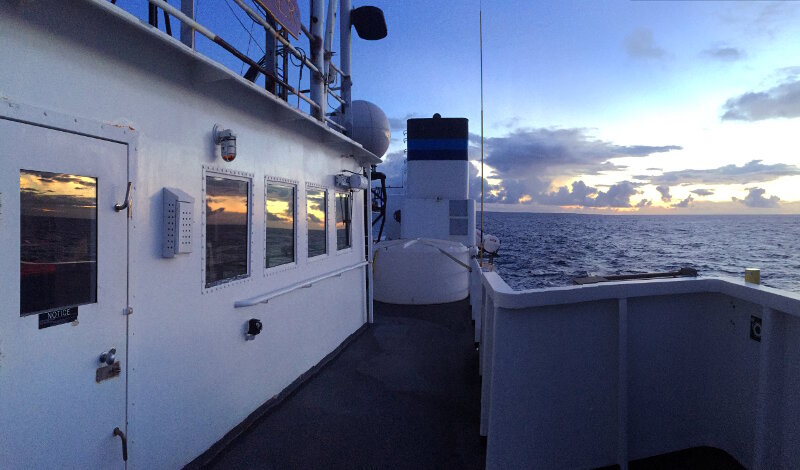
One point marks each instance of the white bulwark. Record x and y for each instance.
(99, 113)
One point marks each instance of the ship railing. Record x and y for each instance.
(598, 375)
(323, 74)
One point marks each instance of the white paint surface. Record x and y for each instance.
(191, 375)
(562, 389)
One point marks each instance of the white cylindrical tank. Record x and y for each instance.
(420, 271)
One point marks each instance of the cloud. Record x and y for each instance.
(644, 203)
(781, 101)
(665, 195)
(618, 195)
(640, 45)
(755, 198)
(527, 161)
(751, 172)
(703, 192)
(685, 203)
(555, 152)
(724, 53)
(399, 123)
(394, 166)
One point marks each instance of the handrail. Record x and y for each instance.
(265, 298)
(255, 16)
(505, 297)
(218, 40)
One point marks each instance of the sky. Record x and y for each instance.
(590, 106)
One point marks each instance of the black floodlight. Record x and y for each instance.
(369, 22)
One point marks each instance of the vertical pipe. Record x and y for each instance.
(187, 33)
(317, 80)
(370, 254)
(330, 26)
(345, 6)
(270, 61)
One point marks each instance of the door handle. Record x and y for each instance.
(121, 435)
(121, 207)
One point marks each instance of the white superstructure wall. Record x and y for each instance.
(191, 374)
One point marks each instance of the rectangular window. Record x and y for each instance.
(227, 229)
(316, 216)
(58, 234)
(344, 220)
(280, 224)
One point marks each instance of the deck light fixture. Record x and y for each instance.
(226, 139)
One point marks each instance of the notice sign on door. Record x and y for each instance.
(58, 317)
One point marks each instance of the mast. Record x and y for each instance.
(480, 31)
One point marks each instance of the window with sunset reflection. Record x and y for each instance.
(344, 216)
(58, 241)
(316, 216)
(280, 224)
(227, 233)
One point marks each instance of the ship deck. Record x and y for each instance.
(404, 393)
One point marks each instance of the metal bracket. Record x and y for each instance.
(108, 372)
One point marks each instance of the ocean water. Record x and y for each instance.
(547, 250)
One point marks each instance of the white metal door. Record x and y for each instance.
(63, 251)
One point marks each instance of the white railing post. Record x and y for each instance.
(622, 386)
(187, 33)
(345, 6)
(762, 442)
(318, 59)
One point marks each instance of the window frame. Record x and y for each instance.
(351, 198)
(234, 175)
(296, 226)
(325, 190)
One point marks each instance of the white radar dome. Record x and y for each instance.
(370, 127)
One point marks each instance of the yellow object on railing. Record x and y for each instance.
(752, 275)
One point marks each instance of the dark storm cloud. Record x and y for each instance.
(703, 192)
(782, 101)
(685, 203)
(640, 45)
(618, 195)
(558, 152)
(755, 198)
(724, 53)
(665, 195)
(752, 172)
(527, 161)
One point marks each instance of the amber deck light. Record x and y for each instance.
(752, 275)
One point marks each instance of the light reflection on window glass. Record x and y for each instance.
(316, 212)
(58, 235)
(280, 224)
(344, 216)
(227, 232)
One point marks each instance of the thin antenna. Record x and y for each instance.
(480, 29)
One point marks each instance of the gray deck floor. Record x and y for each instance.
(404, 394)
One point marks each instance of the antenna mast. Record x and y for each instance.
(480, 29)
